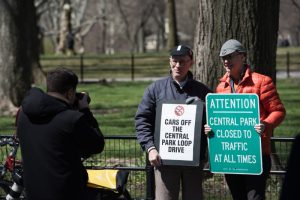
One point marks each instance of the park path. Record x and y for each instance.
(283, 74)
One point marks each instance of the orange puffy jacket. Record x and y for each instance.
(272, 111)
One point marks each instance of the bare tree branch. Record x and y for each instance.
(86, 26)
(124, 17)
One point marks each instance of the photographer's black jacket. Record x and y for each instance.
(53, 139)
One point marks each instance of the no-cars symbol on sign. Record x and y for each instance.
(179, 110)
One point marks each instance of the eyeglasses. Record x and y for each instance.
(230, 56)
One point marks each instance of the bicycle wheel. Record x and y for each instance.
(4, 188)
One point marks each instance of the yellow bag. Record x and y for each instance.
(107, 184)
(107, 178)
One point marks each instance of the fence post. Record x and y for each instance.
(150, 195)
(288, 64)
(81, 67)
(132, 66)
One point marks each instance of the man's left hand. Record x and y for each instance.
(260, 128)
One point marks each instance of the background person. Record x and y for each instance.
(54, 138)
(180, 85)
(239, 79)
(290, 187)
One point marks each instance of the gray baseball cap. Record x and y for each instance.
(231, 46)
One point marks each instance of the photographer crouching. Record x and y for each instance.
(56, 129)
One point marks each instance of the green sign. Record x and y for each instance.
(234, 145)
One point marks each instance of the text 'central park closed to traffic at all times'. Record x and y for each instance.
(234, 145)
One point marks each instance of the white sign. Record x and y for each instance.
(177, 131)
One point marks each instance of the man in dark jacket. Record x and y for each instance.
(54, 137)
(290, 187)
(180, 85)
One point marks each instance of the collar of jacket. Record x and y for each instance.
(247, 74)
(189, 79)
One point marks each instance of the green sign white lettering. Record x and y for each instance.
(234, 145)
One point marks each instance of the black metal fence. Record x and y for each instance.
(288, 62)
(115, 67)
(130, 67)
(123, 152)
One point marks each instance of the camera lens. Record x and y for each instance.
(80, 96)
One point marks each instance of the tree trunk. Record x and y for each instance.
(172, 35)
(102, 7)
(65, 35)
(15, 62)
(34, 39)
(160, 24)
(253, 23)
(103, 34)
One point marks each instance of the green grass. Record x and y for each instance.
(289, 90)
(114, 106)
(7, 125)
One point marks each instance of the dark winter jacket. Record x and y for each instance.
(53, 139)
(161, 90)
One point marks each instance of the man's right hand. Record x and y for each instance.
(154, 158)
(83, 103)
(207, 129)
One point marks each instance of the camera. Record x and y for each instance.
(80, 95)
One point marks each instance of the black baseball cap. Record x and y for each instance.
(182, 50)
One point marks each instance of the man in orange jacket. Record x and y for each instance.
(239, 79)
